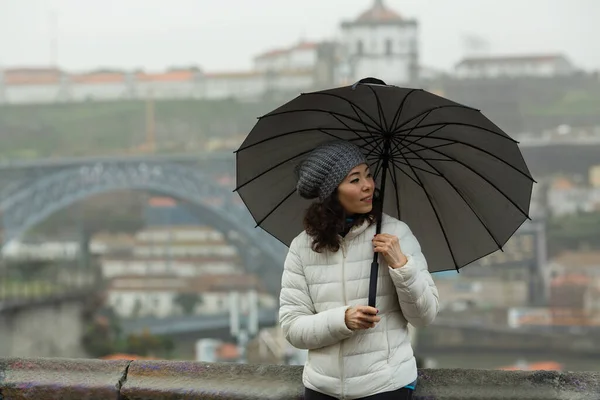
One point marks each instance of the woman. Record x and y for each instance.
(354, 351)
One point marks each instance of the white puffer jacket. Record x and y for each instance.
(317, 288)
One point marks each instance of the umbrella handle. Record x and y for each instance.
(373, 282)
(375, 263)
(369, 81)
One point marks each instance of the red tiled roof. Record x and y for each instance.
(197, 260)
(379, 13)
(571, 279)
(581, 259)
(232, 75)
(512, 59)
(102, 77)
(272, 53)
(170, 76)
(162, 202)
(278, 52)
(305, 46)
(20, 76)
(170, 282)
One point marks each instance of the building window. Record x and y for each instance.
(388, 47)
(359, 47)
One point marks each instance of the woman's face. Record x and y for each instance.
(355, 193)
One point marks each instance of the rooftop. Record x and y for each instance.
(136, 379)
(506, 59)
(379, 12)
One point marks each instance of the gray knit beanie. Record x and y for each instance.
(326, 167)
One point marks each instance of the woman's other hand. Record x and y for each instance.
(389, 247)
(361, 317)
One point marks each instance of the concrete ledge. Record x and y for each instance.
(60, 379)
(178, 380)
(12, 305)
(65, 379)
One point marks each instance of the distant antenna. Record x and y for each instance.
(475, 45)
(303, 36)
(53, 25)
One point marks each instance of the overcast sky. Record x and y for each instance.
(222, 35)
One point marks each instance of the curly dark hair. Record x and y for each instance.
(324, 221)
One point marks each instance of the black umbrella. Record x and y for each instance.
(458, 180)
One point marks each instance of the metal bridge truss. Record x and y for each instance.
(30, 205)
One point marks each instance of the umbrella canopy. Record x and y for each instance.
(453, 176)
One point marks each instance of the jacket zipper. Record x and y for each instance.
(343, 246)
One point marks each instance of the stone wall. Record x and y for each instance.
(66, 379)
(48, 328)
(459, 337)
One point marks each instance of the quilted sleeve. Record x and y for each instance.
(302, 326)
(417, 293)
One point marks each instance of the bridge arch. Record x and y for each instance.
(35, 202)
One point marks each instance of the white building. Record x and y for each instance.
(180, 251)
(514, 66)
(148, 274)
(301, 57)
(565, 197)
(114, 267)
(158, 295)
(382, 44)
(378, 43)
(33, 85)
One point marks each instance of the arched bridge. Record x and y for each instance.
(37, 199)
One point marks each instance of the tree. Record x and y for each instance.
(188, 302)
(103, 336)
(573, 232)
(147, 344)
(102, 333)
(137, 308)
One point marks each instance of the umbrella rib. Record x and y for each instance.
(271, 169)
(437, 216)
(426, 148)
(379, 161)
(455, 141)
(382, 119)
(275, 208)
(416, 167)
(464, 200)
(353, 130)
(280, 135)
(404, 146)
(426, 158)
(458, 124)
(401, 107)
(394, 179)
(415, 127)
(322, 130)
(424, 136)
(366, 127)
(375, 141)
(352, 104)
(378, 164)
(319, 111)
(393, 161)
(354, 108)
(373, 144)
(432, 109)
(481, 176)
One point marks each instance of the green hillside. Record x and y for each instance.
(104, 128)
(124, 127)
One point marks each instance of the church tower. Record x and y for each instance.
(380, 43)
